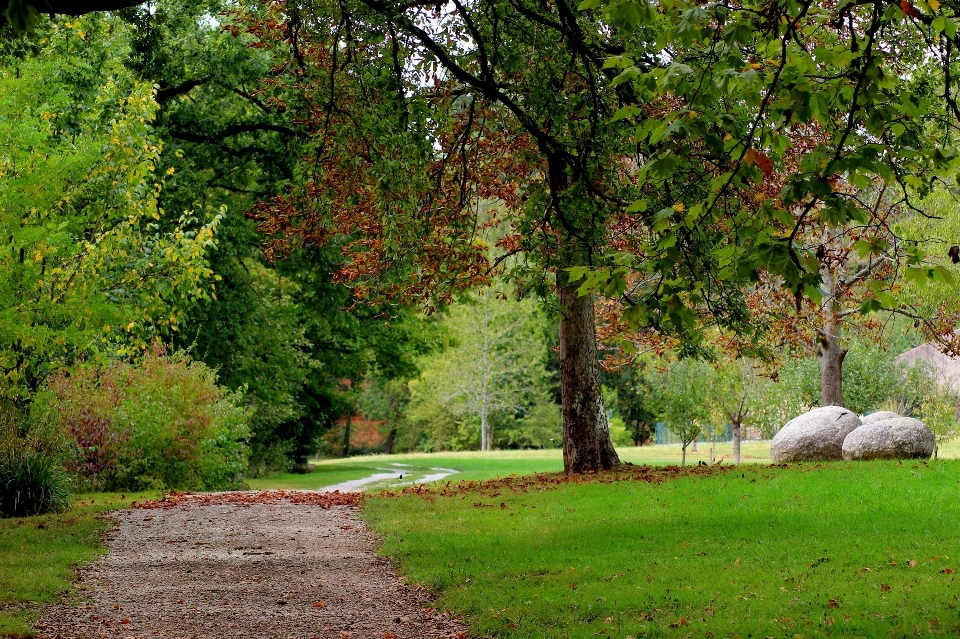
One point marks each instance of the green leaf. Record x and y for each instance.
(626, 75)
(626, 112)
(915, 274)
(942, 275)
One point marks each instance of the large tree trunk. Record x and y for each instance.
(831, 353)
(831, 371)
(586, 433)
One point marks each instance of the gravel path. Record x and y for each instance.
(246, 567)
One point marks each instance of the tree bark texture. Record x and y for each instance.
(346, 435)
(831, 353)
(484, 429)
(736, 443)
(586, 433)
(391, 441)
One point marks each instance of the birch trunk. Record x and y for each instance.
(736, 443)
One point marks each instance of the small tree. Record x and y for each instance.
(496, 363)
(681, 399)
(733, 386)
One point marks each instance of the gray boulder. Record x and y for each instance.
(878, 416)
(814, 436)
(894, 438)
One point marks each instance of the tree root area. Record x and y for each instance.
(244, 568)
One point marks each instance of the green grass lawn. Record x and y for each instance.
(500, 463)
(842, 549)
(39, 554)
(476, 465)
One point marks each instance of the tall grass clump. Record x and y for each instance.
(32, 477)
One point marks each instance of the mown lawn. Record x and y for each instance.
(501, 463)
(841, 549)
(39, 554)
(476, 465)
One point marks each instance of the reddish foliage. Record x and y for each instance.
(546, 481)
(97, 443)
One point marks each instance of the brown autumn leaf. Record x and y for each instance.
(833, 603)
(124, 621)
(947, 571)
(884, 587)
(909, 11)
(389, 635)
(759, 159)
(319, 604)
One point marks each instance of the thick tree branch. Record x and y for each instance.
(167, 93)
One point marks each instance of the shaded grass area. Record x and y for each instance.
(845, 550)
(38, 556)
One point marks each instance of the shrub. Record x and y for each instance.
(161, 423)
(32, 478)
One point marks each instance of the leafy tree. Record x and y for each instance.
(631, 382)
(655, 153)
(87, 264)
(682, 399)
(281, 330)
(939, 412)
(733, 389)
(495, 364)
(386, 401)
(432, 143)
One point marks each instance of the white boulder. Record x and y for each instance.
(893, 438)
(817, 435)
(878, 416)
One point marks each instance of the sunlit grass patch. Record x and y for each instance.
(842, 549)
